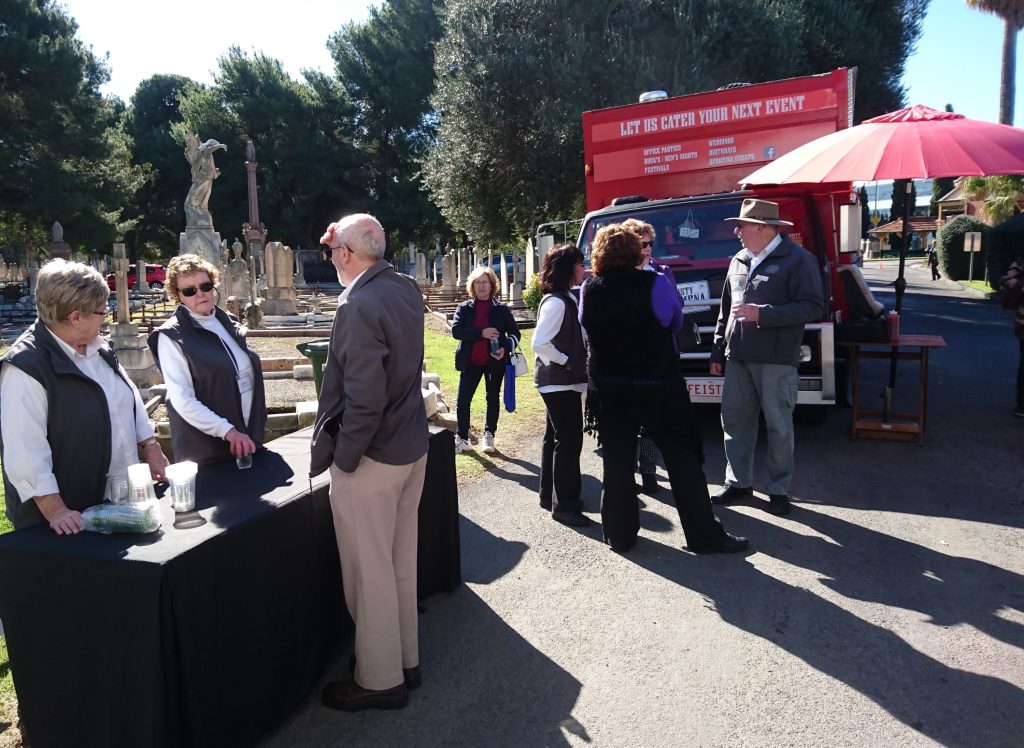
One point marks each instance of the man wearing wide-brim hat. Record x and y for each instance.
(773, 288)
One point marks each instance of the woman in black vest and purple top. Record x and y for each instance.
(560, 373)
(215, 398)
(483, 326)
(630, 317)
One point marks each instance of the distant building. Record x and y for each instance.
(880, 198)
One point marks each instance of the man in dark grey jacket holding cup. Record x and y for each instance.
(772, 290)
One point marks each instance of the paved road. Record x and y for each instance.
(888, 609)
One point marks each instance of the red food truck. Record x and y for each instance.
(676, 163)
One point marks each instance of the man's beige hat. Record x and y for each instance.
(760, 211)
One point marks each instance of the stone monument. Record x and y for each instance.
(237, 282)
(141, 284)
(504, 275)
(280, 293)
(254, 232)
(448, 274)
(58, 247)
(199, 237)
(131, 347)
(421, 268)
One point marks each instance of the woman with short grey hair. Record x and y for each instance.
(69, 414)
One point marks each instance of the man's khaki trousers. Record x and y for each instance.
(376, 523)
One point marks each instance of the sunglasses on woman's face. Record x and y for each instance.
(191, 290)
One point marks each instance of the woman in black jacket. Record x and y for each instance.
(483, 326)
(630, 318)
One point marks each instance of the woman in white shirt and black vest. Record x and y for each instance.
(215, 399)
(560, 373)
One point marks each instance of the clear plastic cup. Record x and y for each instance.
(117, 488)
(244, 463)
(182, 479)
(140, 483)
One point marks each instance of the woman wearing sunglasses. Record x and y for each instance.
(215, 398)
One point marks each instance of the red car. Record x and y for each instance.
(156, 276)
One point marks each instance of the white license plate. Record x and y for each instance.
(695, 295)
(705, 389)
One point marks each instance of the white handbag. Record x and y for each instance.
(518, 360)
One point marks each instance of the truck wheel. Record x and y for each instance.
(157, 285)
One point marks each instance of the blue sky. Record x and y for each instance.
(957, 59)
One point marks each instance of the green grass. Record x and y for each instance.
(516, 431)
(977, 285)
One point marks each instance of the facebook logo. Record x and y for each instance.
(769, 153)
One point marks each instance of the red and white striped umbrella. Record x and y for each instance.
(913, 143)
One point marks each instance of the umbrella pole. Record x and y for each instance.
(901, 286)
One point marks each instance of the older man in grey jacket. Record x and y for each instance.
(772, 290)
(371, 432)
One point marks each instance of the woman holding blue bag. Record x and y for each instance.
(560, 374)
(483, 326)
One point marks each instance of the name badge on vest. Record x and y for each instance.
(244, 383)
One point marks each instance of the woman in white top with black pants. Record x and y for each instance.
(560, 373)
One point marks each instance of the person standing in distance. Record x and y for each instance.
(371, 433)
(773, 288)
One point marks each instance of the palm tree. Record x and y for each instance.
(1012, 13)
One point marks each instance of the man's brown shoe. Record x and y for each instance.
(349, 696)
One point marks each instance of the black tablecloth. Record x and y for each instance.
(206, 636)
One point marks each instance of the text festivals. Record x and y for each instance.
(704, 153)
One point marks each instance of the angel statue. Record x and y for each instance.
(200, 155)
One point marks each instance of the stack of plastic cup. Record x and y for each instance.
(117, 488)
(182, 478)
(140, 483)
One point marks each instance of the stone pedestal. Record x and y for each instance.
(279, 301)
(134, 355)
(516, 295)
(280, 295)
(202, 241)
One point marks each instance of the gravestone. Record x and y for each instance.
(280, 293)
(448, 273)
(516, 295)
(421, 268)
(141, 284)
(131, 347)
(237, 281)
(3, 270)
(464, 267)
(59, 249)
(504, 275)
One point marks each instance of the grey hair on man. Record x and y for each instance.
(363, 234)
(63, 287)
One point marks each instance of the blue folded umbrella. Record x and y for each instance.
(510, 388)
